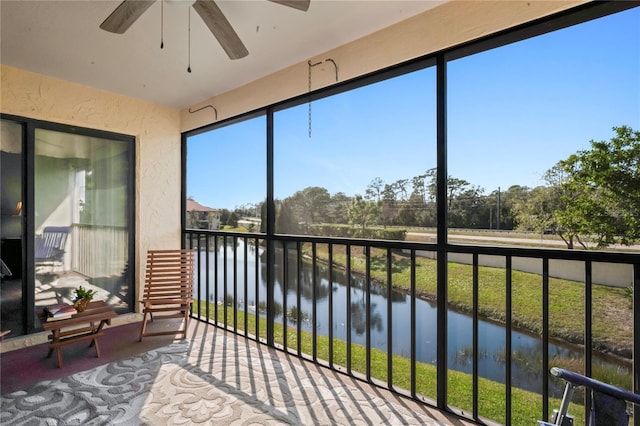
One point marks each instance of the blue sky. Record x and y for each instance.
(513, 112)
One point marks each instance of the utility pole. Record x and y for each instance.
(490, 217)
(498, 212)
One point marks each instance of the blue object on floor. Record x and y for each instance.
(609, 406)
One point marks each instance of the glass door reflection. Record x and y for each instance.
(11, 265)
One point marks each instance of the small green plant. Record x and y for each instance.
(83, 293)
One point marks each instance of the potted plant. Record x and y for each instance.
(82, 298)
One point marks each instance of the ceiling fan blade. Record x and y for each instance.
(125, 15)
(221, 28)
(302, 5)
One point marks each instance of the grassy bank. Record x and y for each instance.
(612, 312)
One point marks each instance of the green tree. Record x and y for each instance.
(374, 192)
(408, 212)
(605, 184)
(374, 189)
(363, 213)
(400, 189)
(311, 205)
(286, 222)
(514, 195)
(389, 204)
(224, 216)
(339, 208)
(232, 220)
(565, 196)
(543, 209)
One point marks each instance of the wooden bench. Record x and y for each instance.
(168, 288)
(86, 325)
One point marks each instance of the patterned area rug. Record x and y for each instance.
(216, 380)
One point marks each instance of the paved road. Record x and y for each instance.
(514, 240)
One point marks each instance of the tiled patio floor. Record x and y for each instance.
(216, 377)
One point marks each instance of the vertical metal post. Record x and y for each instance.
(475, 338)
(330, 305)
(545, 338)
(246, 286)
(636, 339)
(442, 214)
(225, 278)
(389, 320)
(367, 314)
(314, 300)
(348, 324)
(508, 349)
(299, 295)
(256, 286)
(198, 275)
(235, 284)
(28, 230)
(414, 328)
(285, 286)
(271, 221)
(215, 278)
(207, 276)
(588, 329)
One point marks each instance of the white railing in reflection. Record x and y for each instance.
(99, 251)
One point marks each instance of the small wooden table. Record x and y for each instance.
(86, 325)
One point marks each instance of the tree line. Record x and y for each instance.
(593, 195)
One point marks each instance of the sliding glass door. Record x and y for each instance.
(82, 205)
(67, 218)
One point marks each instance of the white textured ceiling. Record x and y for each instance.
(62, 39)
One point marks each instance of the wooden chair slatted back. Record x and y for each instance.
(169, 274)
(168, 288)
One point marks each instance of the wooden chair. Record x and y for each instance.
(168, 288)
(50, 246)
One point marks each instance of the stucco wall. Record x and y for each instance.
(156, 129)
(445, 26)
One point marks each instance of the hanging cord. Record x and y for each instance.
(206, 106)
(162, 24)
(189, 49)
(311, 66)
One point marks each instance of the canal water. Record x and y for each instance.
(526, 348)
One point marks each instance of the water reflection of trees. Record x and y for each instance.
(303, 281)
(299, 277)
(294, 314)
(358, 307)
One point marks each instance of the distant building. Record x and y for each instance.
(201, 217)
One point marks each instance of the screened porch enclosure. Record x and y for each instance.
(392, 235)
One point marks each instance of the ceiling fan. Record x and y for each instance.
(129, 11)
